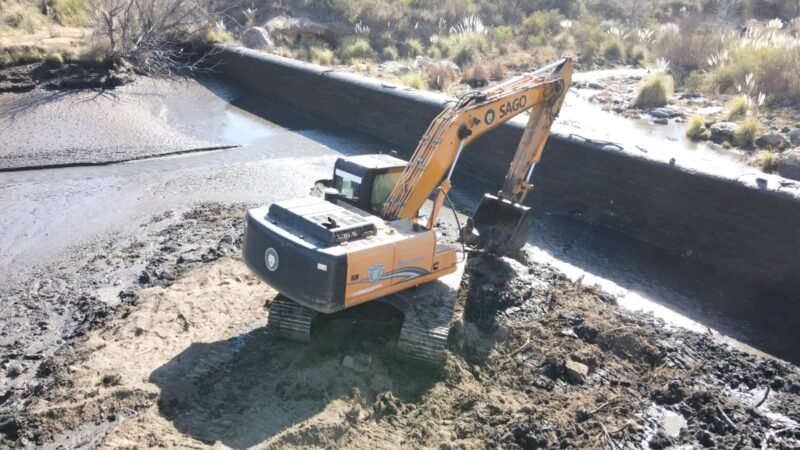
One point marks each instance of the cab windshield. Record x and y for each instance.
(381, 188)
(347, 184)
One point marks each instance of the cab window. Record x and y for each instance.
(381, 188)
(347, 184)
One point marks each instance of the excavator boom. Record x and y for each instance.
(431, 166)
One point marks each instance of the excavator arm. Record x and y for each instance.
(430, 168)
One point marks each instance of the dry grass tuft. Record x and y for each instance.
(654, 91)
(441, 76)
(697, 128)
(746, 132)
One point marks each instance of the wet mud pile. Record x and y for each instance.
(536, 361)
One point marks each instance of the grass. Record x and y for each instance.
(746, 132)
(321, 55)
(414, 48)
(25, 18)
(414, 80)
(767, 160)
(737, 108)
(389, 53)
(614, 50)
(71, 13)
(696, 128)
(17, 56)
(441, 76)
(654, 91)
(358, 49)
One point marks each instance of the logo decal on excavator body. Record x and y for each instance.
(488, 118)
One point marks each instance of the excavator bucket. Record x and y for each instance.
(499, 226)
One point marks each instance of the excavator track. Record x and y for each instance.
(289, 320)
(428, 315)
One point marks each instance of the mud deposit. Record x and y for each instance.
(162, 343)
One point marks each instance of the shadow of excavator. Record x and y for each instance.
(247, 389)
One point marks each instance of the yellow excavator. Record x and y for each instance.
(365, 239)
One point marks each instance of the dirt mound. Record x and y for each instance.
(537, 362)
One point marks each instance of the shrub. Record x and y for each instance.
(497, 70)
(767, 160)
(321, 55)
(467, 49)
(414, 80)
(696, 129)
(776, 69)
(654, 91)
(745, 134)
(637, 56)
(413, 48)
(722, 80)
(588, 52)
(613, 50)
(71, 13)
(689, 49)
(441, 76)
(477, 73)
(503, 35)
(389, 53)
(359, 48)
(737, 108)
(24, 18)
(694, 81)
(542, 24)
(435, 53)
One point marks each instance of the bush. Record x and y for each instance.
(746, 132)
(696, 129)
(466, 49)
(722, 80)
(588, 52)
(477, 73)
(497, 70)
(614, 50)
(24, 18)
(389, 53)
(737, 108)
(694, 81)
(503, 35)
(321, 55)
(413, 48)
(776, 69)
(689, 49)
(654, 91)
(543, 24)
(70, 13)
(358, 49)
(441, 76)
(637, 56)
(414, 80)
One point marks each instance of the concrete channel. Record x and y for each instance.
(745, 228)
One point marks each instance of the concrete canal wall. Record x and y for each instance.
(722, 222)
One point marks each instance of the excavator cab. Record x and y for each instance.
(365, 181)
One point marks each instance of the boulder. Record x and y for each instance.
(772, 140)
(666, 112)
(393, 68)
(293, 28)
(257, 38)
(424, 63)
(794, 136)
(661, 121)
(723, 132)
(789, 164)
(576, 372)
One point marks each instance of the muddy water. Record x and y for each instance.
(280, 153)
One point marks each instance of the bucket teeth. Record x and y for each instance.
(289, 320)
